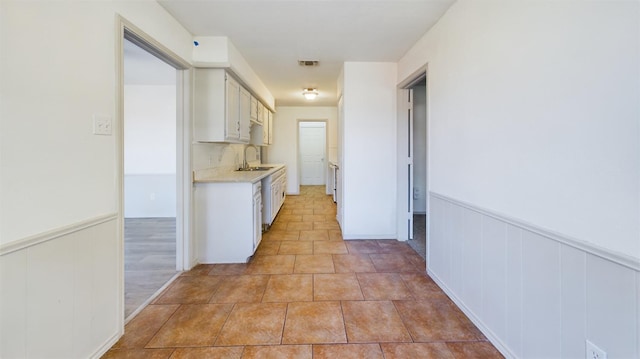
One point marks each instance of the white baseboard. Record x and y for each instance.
(494, 339)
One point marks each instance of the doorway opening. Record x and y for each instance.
(312, 149)
(418, 240)
(413, 172)
(153, 167)
(149, 175)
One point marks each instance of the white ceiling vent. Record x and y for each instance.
(308, 63)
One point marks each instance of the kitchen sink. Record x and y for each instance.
(255, 169)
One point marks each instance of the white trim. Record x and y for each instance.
(106, 346)
(494, 339)
(55, 233)
(615, 257)
(184, 244)
(184, 177)
(403, 90)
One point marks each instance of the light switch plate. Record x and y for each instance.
(102, 125)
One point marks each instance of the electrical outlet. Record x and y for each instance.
(102, 125)
(593, 352)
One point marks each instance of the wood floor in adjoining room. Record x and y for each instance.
(419, 241)
(149, 259)
(307, 293)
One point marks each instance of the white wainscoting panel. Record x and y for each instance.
(540, 291)
(472, 260)
(573, 301)
(494, 275)
(60, 296)
(533, 293)
(514, 290)
(13, 305)
(50, 297)
(611, 303)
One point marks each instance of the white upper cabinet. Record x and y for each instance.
(218, 116)
(254, 110)
(261, 112)
(262, 135)
(232, 132)
(270, 128)
(245, 115)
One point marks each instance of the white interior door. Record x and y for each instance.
(312, 139)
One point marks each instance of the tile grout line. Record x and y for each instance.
(163, 324)
(413, 340)
(233, 307)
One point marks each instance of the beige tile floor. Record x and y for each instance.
(306, 294)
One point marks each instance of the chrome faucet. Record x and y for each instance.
(245, 164)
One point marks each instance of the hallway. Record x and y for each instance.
(306, 294)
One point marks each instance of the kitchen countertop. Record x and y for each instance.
(214, 175)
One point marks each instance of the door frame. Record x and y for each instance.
(185, 248)
(326, 148)
(404, 194)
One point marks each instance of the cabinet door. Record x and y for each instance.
(254, 109)
(209, 105)
(261, 110)
(265, 131)
(281, 190)
(244, 115)
(270, 130)
(274, 199)
(232, 126)
(257, 220)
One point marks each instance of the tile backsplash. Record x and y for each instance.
(218, 155)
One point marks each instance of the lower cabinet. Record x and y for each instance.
(273, 193)
(257, 216)
(224, 231)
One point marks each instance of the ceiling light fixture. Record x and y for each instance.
(310, 93)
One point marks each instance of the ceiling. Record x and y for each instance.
(273, 35)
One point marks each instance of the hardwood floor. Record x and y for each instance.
(306, 294)
(419, 241)
(150, 258)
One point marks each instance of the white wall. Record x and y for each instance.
(60, 252)
(150, 151)
(534, 145)
(47, 108)
(368, 165)
(285, 138)
(535, 113)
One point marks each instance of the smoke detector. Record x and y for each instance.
(308, 63)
